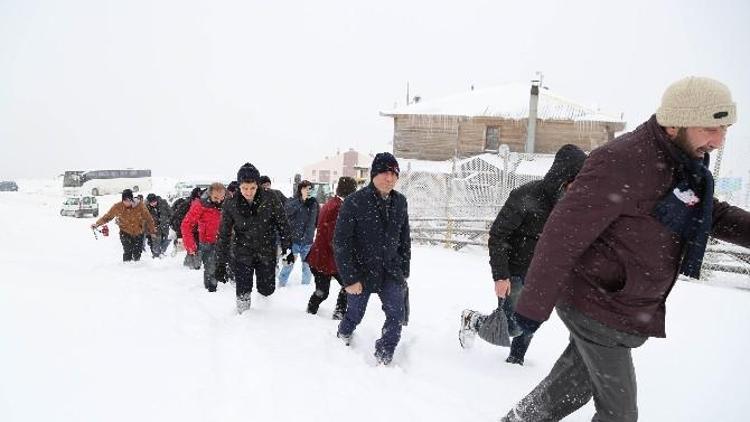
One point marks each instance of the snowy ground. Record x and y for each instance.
(86, 337)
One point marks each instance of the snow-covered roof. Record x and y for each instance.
(509, 101)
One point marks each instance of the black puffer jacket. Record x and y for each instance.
(250, 229)
(519, 223)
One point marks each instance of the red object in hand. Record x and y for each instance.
(105, 230)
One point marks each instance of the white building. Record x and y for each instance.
(350, 163)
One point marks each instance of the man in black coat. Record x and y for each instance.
(250, 222)
(513, 237)
(372, 248)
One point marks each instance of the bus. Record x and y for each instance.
(106, 182)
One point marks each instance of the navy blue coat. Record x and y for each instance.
(372, 241)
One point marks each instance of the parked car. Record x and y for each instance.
(78, 206)
(8, 186)
(183, 189)
(321, 192)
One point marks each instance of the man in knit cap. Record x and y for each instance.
(372, 250)
(250, 222)
(638, 214)
(134, 220)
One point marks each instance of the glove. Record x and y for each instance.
(524, 326)
(309, 202)
(289, 259)
(220, 274)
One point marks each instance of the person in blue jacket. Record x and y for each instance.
(302, 213)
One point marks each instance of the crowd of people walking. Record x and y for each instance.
(601, 239)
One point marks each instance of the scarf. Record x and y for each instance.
(688, 210)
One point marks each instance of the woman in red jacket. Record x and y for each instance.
(206, 214)
(320, 257)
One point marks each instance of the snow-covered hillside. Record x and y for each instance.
(85, 337)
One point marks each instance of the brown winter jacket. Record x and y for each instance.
(601, 249)
(129, 219)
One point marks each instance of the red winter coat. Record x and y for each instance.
(207, 216)
(320, 257)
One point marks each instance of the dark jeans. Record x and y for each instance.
(597, 363)
(392, 297)
(208, 257)
(322, 288)
(407, 307)
(520, 344)
(131, 246)
(263, 268)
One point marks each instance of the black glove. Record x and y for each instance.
(309, 202)
(524, 325)
(220, 274)
(289, 259)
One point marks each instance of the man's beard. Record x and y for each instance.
(681, 140)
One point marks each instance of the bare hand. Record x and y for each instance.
(354, 289)
(502, 287)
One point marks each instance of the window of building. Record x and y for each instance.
(492, 138)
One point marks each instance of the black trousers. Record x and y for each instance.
(322, 289)
(131, 246)
(264, 270)
(208, 256)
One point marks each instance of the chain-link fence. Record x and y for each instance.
(455, 204)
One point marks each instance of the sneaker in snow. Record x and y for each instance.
(243, 303)
(338, 315)
(468, 331)
(347, 340)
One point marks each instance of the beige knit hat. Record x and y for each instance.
(696, 102)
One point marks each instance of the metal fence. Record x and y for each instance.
(456, 208)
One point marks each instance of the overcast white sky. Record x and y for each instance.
(199, 87)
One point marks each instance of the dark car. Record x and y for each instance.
(8, 186)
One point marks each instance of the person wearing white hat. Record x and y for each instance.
(638, 214)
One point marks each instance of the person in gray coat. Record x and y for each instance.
(162, 215)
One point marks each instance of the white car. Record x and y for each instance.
(78, 206)
(183, 189)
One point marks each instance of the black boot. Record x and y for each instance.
(518, 348)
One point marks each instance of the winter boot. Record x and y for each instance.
(347, 340)
(514, 360)
(243, 303)
(338, 314)
(518, 348)
(468, 331)
(383, 358)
